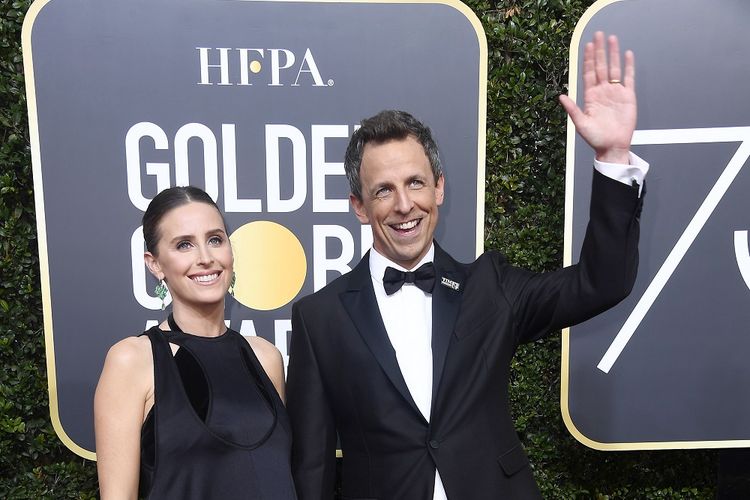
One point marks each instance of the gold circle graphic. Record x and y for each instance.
(255, 66)
(269, 263)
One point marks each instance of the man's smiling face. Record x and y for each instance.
(400, 199)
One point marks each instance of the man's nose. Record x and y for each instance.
(404, 202)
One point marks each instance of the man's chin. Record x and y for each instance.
(408, 260)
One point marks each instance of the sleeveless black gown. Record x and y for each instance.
(218, 429)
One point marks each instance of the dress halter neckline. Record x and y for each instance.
(175, 328)
(251, 367)
(173, 324)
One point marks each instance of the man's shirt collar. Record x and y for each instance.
(378, 263)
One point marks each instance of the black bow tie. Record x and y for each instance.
(423, 278)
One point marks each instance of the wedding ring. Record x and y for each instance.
(615, 81)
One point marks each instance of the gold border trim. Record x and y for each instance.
(482, 111)
(41, 225)
(26, 45)
(568, 260)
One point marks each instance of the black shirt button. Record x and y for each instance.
(434, 444)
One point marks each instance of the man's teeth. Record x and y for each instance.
(208, 277)
(406, 225)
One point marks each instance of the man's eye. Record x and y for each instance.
(382, 192)
(416, 184)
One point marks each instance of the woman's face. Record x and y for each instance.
(194, 255)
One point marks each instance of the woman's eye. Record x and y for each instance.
(216, 241)
(184, 245)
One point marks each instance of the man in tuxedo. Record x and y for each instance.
(406, 358)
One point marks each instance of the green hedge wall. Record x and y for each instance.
(528, 47)
(33, 462)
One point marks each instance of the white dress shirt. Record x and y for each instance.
(407, 316)
(407, 313)
(627, 174)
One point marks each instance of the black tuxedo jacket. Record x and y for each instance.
(344, 377)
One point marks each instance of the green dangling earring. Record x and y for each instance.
(161, 292)
(231, 285)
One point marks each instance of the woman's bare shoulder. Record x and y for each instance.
(264, 349)
(271, 361)
(130, 354)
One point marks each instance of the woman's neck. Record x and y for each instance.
(205, 322)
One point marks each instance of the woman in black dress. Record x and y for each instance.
(190, 409)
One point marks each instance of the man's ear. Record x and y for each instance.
(359, 209)
(440, 190)
(153, 265)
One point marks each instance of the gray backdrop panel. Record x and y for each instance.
(682, 378)
(101, 67)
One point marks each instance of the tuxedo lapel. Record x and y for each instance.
(362, 306)
(446, 301)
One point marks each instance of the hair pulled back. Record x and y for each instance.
(165, 201)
